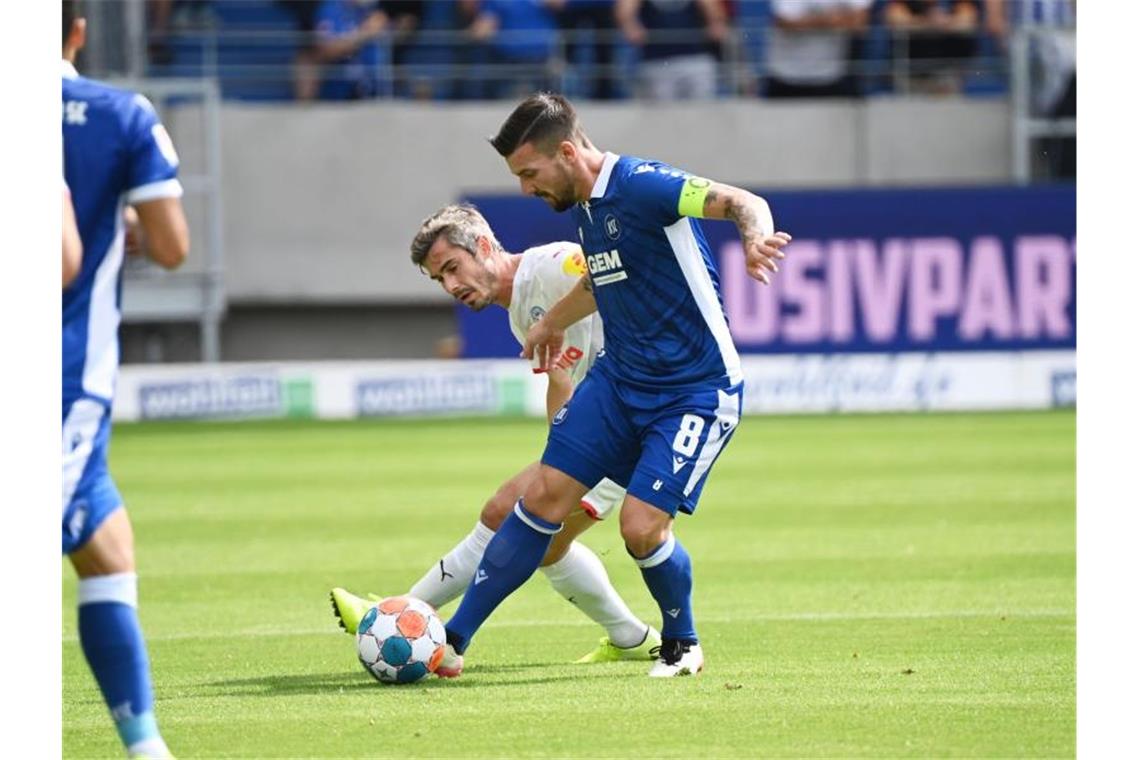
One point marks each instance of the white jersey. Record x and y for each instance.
(546, 274)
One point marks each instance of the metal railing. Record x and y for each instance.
(195, 292)
(1028, 124)
(741, 69)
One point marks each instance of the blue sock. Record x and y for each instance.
(510, 558)
(668, 573)
(113, 644)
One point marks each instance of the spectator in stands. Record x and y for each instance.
(350, 34)
(164, 15)
(941, 35)
(680, 43)
(811, 47)
(579, 18)
(306, 63)
(516, 41)
(1053, 61)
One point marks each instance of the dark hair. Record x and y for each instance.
(72, 9)
(544, 119)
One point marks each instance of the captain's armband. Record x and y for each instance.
(692, 200)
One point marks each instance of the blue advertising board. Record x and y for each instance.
(946, 269)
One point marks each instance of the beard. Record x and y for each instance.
(559, 203)
(561, 198)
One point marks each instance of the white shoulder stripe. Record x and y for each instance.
(167, 188)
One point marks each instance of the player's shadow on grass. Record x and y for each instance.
(300, 683)
(323, 683)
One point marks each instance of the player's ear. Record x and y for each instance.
(568, 151)
(484, 246)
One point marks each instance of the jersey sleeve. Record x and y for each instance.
(665, 194)
(153, 166)
(562, 271)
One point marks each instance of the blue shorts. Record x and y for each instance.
(659, 444)
(89, 493)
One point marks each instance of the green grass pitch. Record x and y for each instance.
(865, 586)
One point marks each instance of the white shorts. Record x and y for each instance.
(601, 500)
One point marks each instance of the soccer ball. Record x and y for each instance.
(400, 640)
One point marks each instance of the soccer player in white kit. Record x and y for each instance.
(458, 249)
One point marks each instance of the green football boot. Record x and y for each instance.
(607, 651)
(349, 608)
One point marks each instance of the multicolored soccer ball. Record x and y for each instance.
(400, 640)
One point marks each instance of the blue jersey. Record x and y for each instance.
(655, 280)
(115, 152)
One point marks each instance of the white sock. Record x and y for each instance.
(154, 747)
(452, 575)
(581, 578)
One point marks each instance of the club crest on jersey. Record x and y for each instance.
(606, 267)
(613, 229)
(575, 265)
(537, 313)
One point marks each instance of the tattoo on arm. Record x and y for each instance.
(587, 283)
(747, 211)
(743, 214)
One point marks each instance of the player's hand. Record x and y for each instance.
(543, 343)
(760, 256)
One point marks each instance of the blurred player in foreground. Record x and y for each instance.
(663, 397)
(72, 244)
(115, 152)
(458, 249)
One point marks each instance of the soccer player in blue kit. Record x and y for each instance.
(663, 398)
(115, 153)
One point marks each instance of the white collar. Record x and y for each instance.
(69, 71)
(603, 179)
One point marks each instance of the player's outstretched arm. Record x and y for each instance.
(544, 338)
(750, 213)
(166, 236)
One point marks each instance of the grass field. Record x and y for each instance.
(865, 586)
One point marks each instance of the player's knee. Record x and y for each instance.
(643, 533)
(110, 550)
(496, 510)
(543, 499)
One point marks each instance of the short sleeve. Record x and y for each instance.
(564, 269)
(153, 161)
(665, 194)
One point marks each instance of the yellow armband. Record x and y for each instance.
(692, 200)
